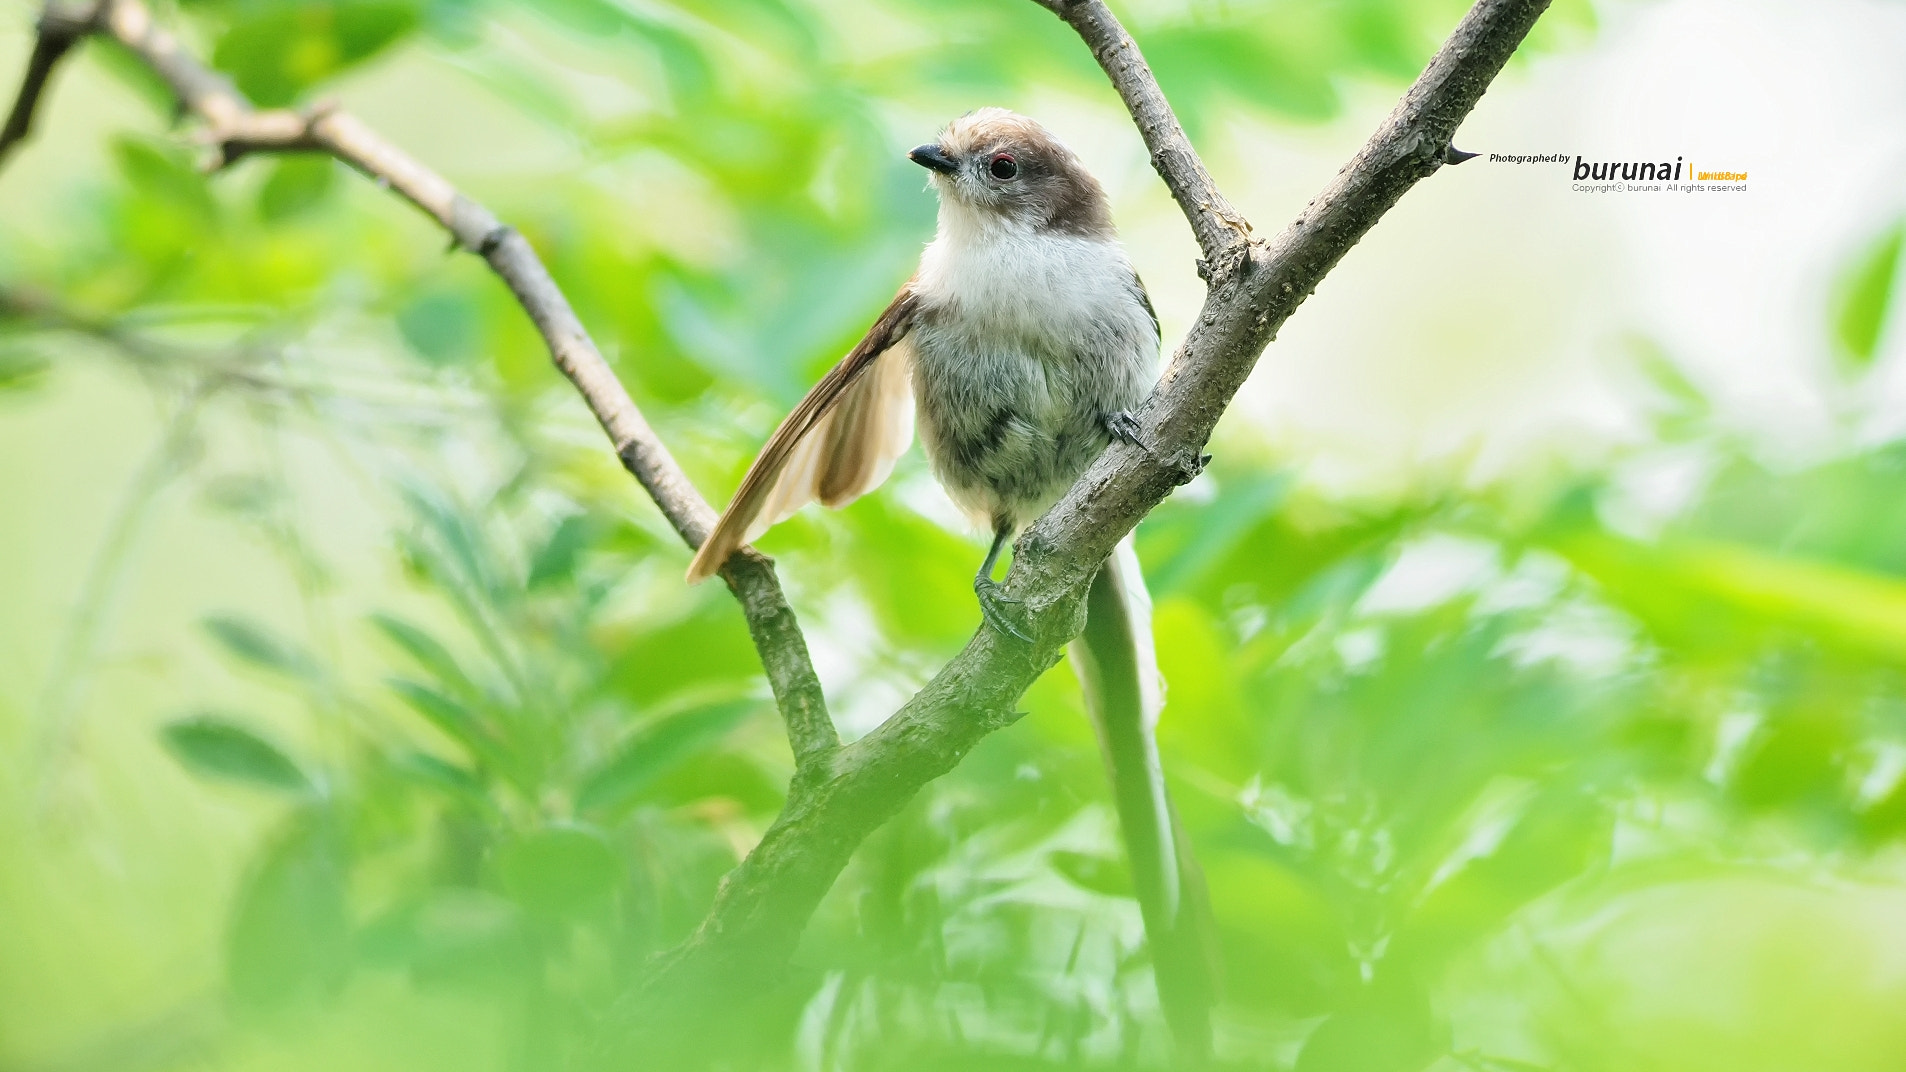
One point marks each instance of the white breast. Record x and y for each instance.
(1003, 279)
(1023, 343)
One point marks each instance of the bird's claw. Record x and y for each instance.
(1124, 428)
(992, 607)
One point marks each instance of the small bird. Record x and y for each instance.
(1024, 341)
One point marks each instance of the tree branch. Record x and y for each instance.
(59, 29)
(1254, 286)
(235, 129)
(1216, 224)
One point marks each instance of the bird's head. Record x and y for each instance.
(999, 167)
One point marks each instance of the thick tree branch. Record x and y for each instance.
(234, 128)
(1254, 287)
(59, 29)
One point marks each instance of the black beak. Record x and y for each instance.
(930, 156)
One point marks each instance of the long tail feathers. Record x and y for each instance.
(1118, 670)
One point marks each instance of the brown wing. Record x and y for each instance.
(839, 442)
(852, 449)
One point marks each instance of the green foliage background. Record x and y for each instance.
(418, 768)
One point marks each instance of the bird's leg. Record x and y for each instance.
(993, 602)
(1124, 428)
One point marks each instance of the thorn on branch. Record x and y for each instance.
(494, 239)
(1186, 464)
(1453, 156)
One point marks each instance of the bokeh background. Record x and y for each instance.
(1534, 642)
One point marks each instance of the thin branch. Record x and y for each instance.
(59, 30)
(236, 129)
(1216, 224)
(198, 378)
(230, 367)
(1254, 287)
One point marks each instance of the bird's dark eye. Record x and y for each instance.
(1003, 166)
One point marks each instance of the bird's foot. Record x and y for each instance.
(1124, 428)
(999, 609)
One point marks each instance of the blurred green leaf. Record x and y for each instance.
(1284, 940)
(594, 18)
(426, 652)
(556, 561)
(559, 870)
(162, 172)
(1201, 65)
(297, 184)
(21, 369)
(467, 569)
(1389, 1027)
(1097, 874)
(654, 750)
(457, 721)
(708, 648)
(135, 74)
(290, 936)
(215, 747)
(1865, 294)
(459, 783)
(896, 550)
(1182, 547)
(1885, 819)
(1558, 836)
(441, 325)
(1206, 712)
(254, 644)
(1797, 759)
(1683, 412)
(1705, 593)
(1844, 512)
(276, 51)
(457, 936)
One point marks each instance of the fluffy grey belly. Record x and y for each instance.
(1009, 423)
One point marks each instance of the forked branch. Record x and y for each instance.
(234, 129)
(60, 28)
